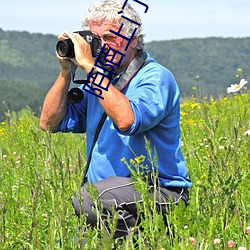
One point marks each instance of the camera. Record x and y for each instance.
(65, 48)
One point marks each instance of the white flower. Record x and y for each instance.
(22, 210)
(217, 241)
(237, 87)
(192, 240)
(242, 248)
(247, 133)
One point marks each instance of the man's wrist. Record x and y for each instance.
(65, 73)
(92, 72)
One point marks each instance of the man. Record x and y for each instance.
(145, 107)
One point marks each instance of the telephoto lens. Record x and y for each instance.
(65, 48)
(75, 95)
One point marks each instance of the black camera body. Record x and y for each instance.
(65, 48)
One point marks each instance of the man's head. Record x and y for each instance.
(107, 11)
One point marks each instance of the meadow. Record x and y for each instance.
(40, 172)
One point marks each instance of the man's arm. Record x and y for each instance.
(55, 103)
(115, 104)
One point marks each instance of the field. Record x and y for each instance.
(40, 172)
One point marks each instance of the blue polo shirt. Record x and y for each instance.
(154, 97)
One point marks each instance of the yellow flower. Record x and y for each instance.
(132, 162)
(138, 160)
(240, 70)
(195, 105)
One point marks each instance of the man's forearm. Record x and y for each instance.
(55, 103)
(117, 106)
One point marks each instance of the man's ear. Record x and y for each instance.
(134, 42)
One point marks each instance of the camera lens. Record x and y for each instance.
(75, 95)
(65, 48)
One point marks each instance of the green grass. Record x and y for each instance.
(40, 172)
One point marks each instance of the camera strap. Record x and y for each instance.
(136, 64)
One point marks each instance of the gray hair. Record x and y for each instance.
(108, 10)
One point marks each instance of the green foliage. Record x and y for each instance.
(36, 184)
(40, 172)
(28, 57)
(14, 95)
(28, 68)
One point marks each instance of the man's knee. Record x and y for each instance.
(84, 205)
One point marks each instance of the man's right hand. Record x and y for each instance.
(66, 63)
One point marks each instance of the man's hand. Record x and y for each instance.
(83, 54)
(66, 63)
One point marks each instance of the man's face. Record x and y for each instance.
(114, 42)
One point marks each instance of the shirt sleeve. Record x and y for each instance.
(153, 97)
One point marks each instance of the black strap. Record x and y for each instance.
(137, 63)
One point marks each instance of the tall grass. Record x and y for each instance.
(40, 172)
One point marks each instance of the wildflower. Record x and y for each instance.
(192, 240)
(14, 188)
(132, 162)
(137, 160)
(195, 106)
(221, 147)
(240, 70)
(22, 210)
(198, 182)
(237, 87)
(242, 248)
(230, 244)
(248, 230)
(247, 133)
(216, 241)
(45, 216)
